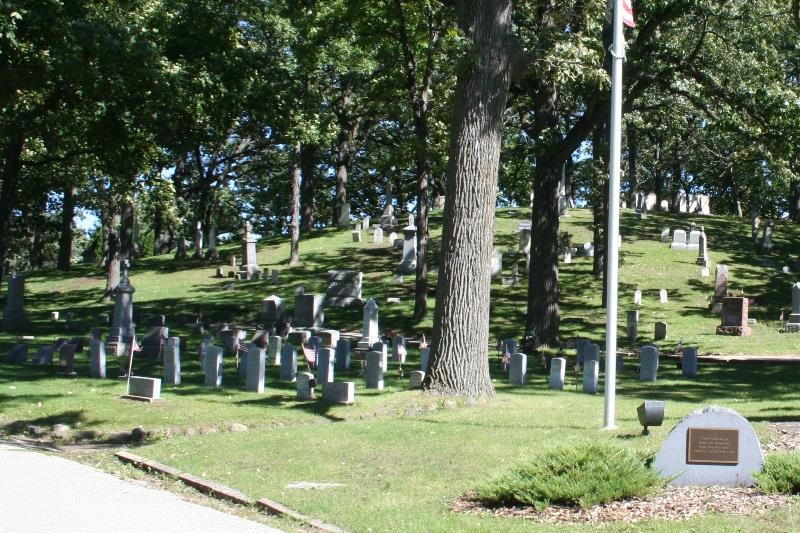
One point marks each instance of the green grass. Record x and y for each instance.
(401, 456)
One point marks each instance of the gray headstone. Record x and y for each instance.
(525, 241)
(508, 346)
(689, 362)
(591, 376)
(415, 379)
(424, 356)
(143, 387)
(369, 332)
(329, 337)
(288, 362)
(518, 369)
(272, 309)
(665, 234)
(694, 240)
(276, 276)
(357, 236)
(212, 366)
(14, 315)
(97, 359)
(66, 359)
(711, 446)
(326, 360)
(305, 386)
(17, 354)
(308, 312)
(342, 392)
(255, 369)
(383, 348)
(172, 361)
(678, 239)
(342, 354)
(558, 366)
(660, 331)
(591, 352)
(373, 371)
(720, 288)
(408, 263)
(648, 364)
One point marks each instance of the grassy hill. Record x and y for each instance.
(182, 290)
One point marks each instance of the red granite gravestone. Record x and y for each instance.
(734, 317)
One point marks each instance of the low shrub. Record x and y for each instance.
(579, 472)
(781, 473)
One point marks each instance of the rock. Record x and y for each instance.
(138, 434)
(237, 427)
(89, 434)
(36, 431)
(450, 404)
(61, 431)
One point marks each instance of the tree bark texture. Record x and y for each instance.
(459, 355)
(633, 154)
(294, 225)
(128, 217)
(67, 225)
(39, 232)
(308, 161)
(8, 193)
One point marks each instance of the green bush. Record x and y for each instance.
(781, 473)
(579, 472)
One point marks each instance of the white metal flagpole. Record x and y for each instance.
(612, 248)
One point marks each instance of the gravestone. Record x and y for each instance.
(637, 297)
(660, 331)
(231, 338)
(734, 317)
(358, 226)
(518, 369)
(399, 349)
(754, 227)
(558, 366)
(172, 361)
(424, 356)
(122, 330)
(373, 371)
(66, 359)
(305, 386)
(591, 376)
(665, 234)
(344, 216)
(342, 354)
(392, 238)
(713, 446)
(369, 331)
(496, 262)
(678, 239)
(254, 381)
(766, 237)
(212, 366)
(589, 352)
(328, 337)
(377, 236)
(702, 250)
(14, 316)
(356, 236)
(567, 257)
(689, 362)
(415, 379)
(694, 240)
(384, 350)
(143, 389)
(408, 262)
(662, 296)
(17, 354)
(220, 273)
(648, 364)
(720, 288)
(525, 241)
(339, 392)
(326, 359)
(273, 311)
(632, 329)
(508, 346)
(274, 350)
(153, 341)
(365, 223)
(44, 356)
(344, 288)
(249, 268)
(97, 359)
(308, 311)
(793, 323)
(588, 249)
(288, 362)
(298, 337)
(276, 276)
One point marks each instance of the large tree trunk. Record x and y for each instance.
(294, 225)
(794, 200)
(114, 257)
(343, 153)
(633, 154)
(126, 231)
(39, 232)
(308, 161)
(459, 355)
(8, 193)
(67, 226)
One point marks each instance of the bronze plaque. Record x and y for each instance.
(712, 446)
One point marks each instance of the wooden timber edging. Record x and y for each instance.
(223, 492)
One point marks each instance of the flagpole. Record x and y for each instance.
(612, 248)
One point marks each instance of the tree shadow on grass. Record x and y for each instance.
(71, 418)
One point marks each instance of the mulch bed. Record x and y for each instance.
(670, 503)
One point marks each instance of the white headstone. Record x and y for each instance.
(558, 366)
(369, 331)
(591, 374)
(518, 369)
(662, 296)
(678, 239)
(255, 369)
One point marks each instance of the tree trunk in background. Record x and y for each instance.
(8, 193)
(294, 225)
(459, 354)
(600, 149)
(126, 231)
(308, 161)
(794, 200)
(180, 199)
(39, 233)
(675, 183)
(114, 258)
(347, 132)
(633, 153)
(67, 228)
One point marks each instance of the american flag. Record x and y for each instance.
(310, 353)
(627, 14)
(506, 360)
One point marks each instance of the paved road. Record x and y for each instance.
(42, 493)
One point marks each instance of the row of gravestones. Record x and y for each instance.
(588, 358)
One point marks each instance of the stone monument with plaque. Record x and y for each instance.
(711, 446)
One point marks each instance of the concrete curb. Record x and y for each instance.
(219, 491)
